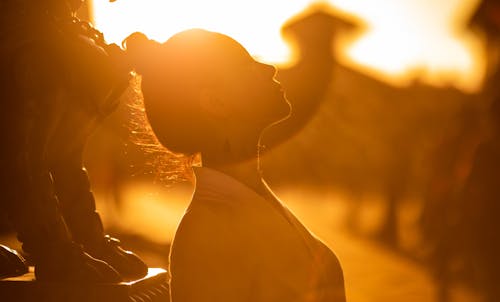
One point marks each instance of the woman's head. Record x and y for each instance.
(203, 92)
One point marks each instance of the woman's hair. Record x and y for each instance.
(173, 75)
(166, 166)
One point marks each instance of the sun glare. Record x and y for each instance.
(256, 24)
(403, 39)
(417, 38)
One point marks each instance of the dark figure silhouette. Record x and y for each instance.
(59, 80)
(237, 241)
(487, 17)
(451, 162)
(458, 221)
(478, 224)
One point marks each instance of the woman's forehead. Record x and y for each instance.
(224, 48)
(202, 45)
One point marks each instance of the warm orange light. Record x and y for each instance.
(417, 38)
(403, 39)
(256, 24)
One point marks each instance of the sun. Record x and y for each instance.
(255, 24)
(402, 40)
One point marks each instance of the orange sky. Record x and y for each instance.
(402, 37)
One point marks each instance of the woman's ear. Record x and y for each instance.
(212, 104)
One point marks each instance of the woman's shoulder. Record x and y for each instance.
(207, 222)
(206, 235)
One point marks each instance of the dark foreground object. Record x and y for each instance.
(152, 288)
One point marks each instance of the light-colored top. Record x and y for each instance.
(234, 245)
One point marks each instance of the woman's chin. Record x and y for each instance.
(283, 116)
(275, 122)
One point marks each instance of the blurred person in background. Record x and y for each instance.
(461, 216)
(476, 234)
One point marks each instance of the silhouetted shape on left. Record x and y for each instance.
(59, 80)
(11, 262)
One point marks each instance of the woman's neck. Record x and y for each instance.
(247, 173)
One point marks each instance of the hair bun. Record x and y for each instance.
(141, 51)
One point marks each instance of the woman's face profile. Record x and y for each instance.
(207, 84)
(250, 87)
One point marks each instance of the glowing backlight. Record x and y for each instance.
(403, 38)
(256, 24)
(421, 38)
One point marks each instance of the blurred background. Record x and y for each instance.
(391, 156)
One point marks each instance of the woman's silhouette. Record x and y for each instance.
(204, 94)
